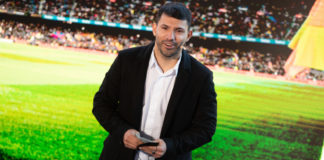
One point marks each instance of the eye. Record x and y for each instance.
(180, 30)
(164, 27)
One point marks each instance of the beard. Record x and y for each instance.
(169, 52)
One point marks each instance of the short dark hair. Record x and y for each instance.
(176, 10)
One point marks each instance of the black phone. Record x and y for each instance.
(146, 139)
(149, 144)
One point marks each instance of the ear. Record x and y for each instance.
(189, 35)
(154, 26)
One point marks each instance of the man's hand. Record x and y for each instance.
(130, 140)
(155, 151)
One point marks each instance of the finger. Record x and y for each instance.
(158, 148)
(161, 148)
(129, 145)
(148, 150)
(152, 150)
(132, 144)
(157, 155)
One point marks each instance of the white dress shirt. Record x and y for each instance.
(158, 89)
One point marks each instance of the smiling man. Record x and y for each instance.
(157, 92)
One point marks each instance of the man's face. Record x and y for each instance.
(170, 35)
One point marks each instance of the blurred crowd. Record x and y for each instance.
(259, 18)
(314, 74)
(38, 34)
(241, 60)
(262, 18)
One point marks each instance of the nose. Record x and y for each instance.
(171, 36)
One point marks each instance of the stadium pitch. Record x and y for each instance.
(46, 101)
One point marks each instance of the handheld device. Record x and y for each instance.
(146, 139)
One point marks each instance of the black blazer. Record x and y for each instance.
(190, 119)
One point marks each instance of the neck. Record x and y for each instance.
(166, 63)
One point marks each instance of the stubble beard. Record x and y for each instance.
(172, 54)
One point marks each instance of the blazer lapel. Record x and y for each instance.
(142, 63)
(179, 86)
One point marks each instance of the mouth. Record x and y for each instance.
(169, 45)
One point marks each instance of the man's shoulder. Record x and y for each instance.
(131, 51)
(198, 67)
(135, 51)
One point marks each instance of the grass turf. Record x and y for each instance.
(46, 101)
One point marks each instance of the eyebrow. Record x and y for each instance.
(165, 25)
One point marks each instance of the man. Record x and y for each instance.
(158, 89)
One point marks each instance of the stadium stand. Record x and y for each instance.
(258, 18)
(37, 34)
(262, 18)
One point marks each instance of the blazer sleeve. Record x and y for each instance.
(203, 124)
(106, 102)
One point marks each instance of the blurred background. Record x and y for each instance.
(54, 55)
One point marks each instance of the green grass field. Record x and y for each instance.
(46, 102)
